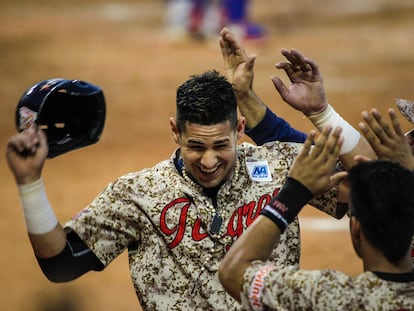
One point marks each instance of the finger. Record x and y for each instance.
(337, 142)
(361, 158)
(224, 31)
(227, 43)
(381, 127)
(287, 67)
(395, 124)
(283, 65)
(294, 64)
(21, 143)
(331, 148)
(280, 87)
(334, 143)
(286, 54)
(314, 66)
(305, 67)
(305, 63)
(321, 142)
(369, 136)
(368, 127)
(224, 48)
(338, 177)
(298, 59)
(307, 144)
(251, 59)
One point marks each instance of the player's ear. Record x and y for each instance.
(355, 230)
(241, 124)
(174, 130)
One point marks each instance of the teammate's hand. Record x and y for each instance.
(237, 64)
(313, 167)
(389, 143)
(26, 153)
(306, 93)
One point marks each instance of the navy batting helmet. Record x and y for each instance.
(71, 113)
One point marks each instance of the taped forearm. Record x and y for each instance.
(37, 211)
(330, 117)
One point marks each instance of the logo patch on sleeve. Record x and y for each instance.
(259, 171)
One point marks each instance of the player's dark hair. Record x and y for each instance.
(206, 99)
(382, 200)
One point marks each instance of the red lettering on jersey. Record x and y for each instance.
(246, 214)
(179, 228)
(196, 234)
(242, 216)
(257, 287)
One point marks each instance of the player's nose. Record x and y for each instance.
(209, 159)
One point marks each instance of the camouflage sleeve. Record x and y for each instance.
(109, 223)
(266, 286)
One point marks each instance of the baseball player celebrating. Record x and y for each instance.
(178, 218)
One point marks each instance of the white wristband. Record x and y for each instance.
(37, 211)
(330, 117)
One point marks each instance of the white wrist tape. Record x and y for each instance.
(37, 211)
(330, 117)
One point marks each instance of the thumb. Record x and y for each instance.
(361, 158)
(338, 177)
(280, 87)
(251, 59)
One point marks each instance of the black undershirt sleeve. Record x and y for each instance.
(75, 260)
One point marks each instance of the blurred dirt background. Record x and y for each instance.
(364, 49)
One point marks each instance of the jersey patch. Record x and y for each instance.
(259, 171)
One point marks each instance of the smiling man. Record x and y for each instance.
(176, 219)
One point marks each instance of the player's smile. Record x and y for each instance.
(209, 151)
(209, 175)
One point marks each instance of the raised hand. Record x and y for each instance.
(26, 153)
(239, 71)
(388, 142)
(306, 92)
(313, 167)
(237, 64)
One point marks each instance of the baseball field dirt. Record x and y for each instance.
(364, 50)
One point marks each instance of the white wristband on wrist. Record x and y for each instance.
(330, 117)
(37, 211)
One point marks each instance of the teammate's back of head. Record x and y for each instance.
(383, 202)
(206, 99)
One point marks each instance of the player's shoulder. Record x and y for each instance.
(164, 170)
(274, 149)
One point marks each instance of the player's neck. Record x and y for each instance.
(376, 261)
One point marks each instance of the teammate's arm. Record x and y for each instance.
(261, 123)
(309, 176)
(307, 94)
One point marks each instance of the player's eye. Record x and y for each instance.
(196, 148)
(224, 146)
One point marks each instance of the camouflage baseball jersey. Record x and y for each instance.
(163, 220)
(266, 287)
